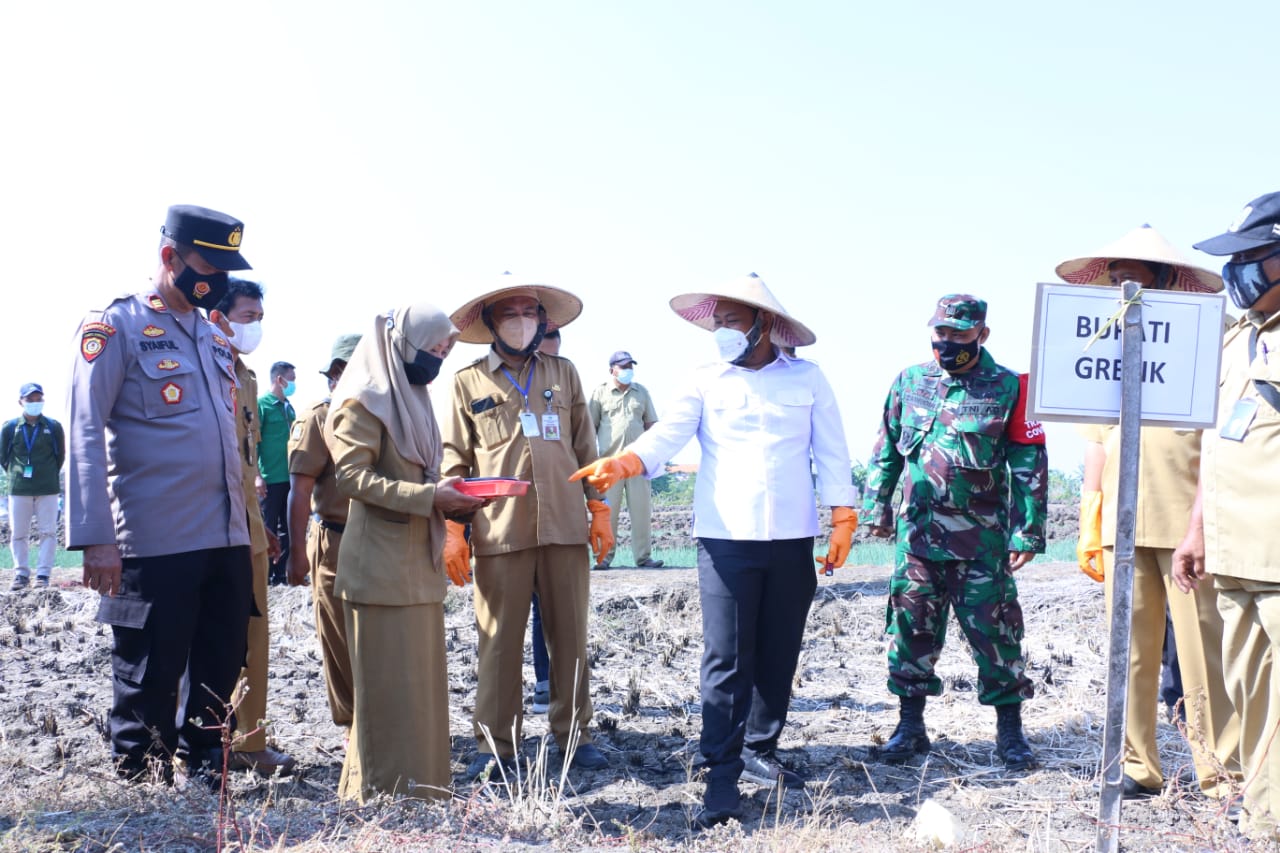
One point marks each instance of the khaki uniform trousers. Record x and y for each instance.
(638, 492)
(250, 733)
(331, 625)
(1213, 729)
(1251, 632)
(505, 584)
(400, 725)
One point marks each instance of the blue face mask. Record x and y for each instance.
(626, 375)
(1246, 282)
(289, 388)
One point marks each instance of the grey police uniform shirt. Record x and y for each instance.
(154, 465)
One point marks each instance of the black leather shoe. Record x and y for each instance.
(1131, 790)
(485, 762)
(588, 757)
(720, 802)
(650, 563)
(763, 768)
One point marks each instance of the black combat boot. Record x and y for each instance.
(910, 736)
(1011, 746)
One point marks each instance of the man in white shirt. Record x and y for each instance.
(758, 415)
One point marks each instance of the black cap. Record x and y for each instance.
(215, 236)
(30, 388)
(1257, 225)
(621, 357)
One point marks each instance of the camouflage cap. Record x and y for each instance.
(959, 311)
(343, 347)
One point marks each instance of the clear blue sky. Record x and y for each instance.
(863, 159)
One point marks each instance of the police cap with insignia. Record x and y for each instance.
(214, 236)
(1257, 225)
(343, 347)
(959, 311)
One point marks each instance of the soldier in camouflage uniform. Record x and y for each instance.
(973, 512)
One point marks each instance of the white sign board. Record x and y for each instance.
(1075, 380)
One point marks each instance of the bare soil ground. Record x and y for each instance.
(57, 791)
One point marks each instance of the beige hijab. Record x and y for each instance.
(375, 379)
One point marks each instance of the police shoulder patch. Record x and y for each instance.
(220, 341)
(156, 303)
(93, 339)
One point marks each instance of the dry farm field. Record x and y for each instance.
(57, 791)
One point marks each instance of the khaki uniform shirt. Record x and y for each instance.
(1169, 467)
(393, 548)
(483, 438)
(247, 438)
(151, 437)
(620, 416)
(309, 456)
(1238, 478)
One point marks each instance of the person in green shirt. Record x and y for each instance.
(275, 417)
(32, 449)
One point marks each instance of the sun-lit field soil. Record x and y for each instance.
(57, 791)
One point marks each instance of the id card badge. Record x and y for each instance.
(529, 424)
(1242, 415)
(551, 427)
(27, 472)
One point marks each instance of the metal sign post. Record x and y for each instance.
(1121, 576)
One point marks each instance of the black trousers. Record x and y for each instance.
(173, 614)
(275, 515)
(755, 599)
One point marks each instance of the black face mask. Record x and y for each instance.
(424, 368)
(953, 355)
(199, 289)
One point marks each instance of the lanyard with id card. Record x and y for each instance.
(528, 420)
(1244, 411)
(30, 438)
(550, 420)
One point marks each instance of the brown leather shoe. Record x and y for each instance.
(264, 762)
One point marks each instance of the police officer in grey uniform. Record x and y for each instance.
(154, 499)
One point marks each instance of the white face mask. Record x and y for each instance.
(518, 332)
(731, 343)
(33, 410)
(626, 375)
(245, 337)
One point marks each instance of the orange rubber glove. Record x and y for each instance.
(1089, 545)
(843, 522)
(608, 471)
(601, 536)
(457, 554)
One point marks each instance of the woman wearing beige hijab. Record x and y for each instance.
(386, 449)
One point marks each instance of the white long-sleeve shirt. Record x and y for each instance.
(757, 429)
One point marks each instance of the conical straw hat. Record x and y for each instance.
(751, 290)
(1140, 244)
(562, 307)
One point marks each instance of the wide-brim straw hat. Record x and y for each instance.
(1140, 244)
(562, 307)
(751, 290)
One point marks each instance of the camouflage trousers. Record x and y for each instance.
(985, 598)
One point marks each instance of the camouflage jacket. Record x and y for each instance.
(971, 491)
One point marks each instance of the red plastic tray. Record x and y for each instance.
(493, 487)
